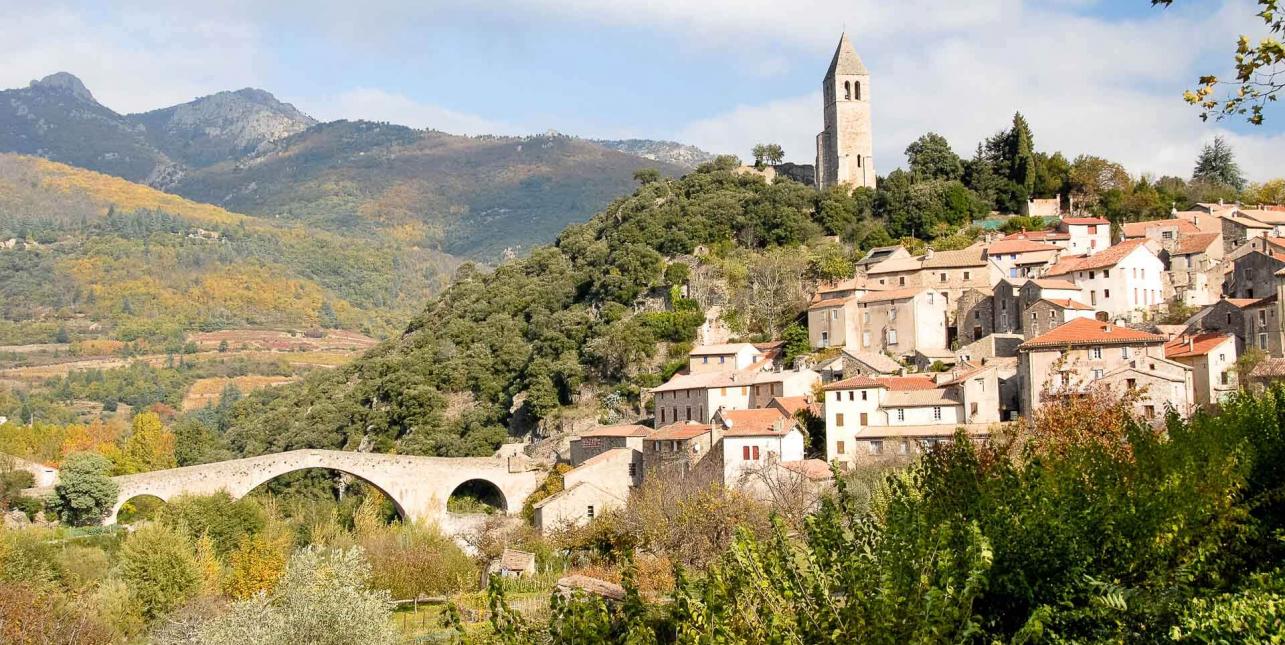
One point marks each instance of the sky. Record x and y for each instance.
(1100, 77)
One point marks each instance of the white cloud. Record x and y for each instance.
(379, 105)
(132, 59)
(1085, 85)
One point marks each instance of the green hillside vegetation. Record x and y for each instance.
(148, 264)
(468, 196)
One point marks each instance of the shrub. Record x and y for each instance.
(413, 560)
(84, 494)
(158, 565)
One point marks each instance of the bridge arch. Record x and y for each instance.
(419, 487)
(480, 491)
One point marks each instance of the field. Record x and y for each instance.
(207, 390)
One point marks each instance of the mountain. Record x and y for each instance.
(482, 197)
(137, 263)
(469, 196)
(222, 126)
(57, 118)
(670, 152)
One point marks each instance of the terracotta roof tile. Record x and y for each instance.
(792, 404)
(1195, 345)
(1067, 303)
(894, 294)
(679, 431)
(974, 255)
(628, 430)
(756, 422)
(1195, 243)
(1088, 331)
(1084, 221)
(831, 302)
(814, 469)
(854, 383)
(1006, 246)
(904, 383)
(1038, 235)
(1103, 260)
(1054, 283)
(1139, 229)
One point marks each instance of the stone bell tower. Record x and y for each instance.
(845, 148)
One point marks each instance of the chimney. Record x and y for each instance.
(1107, 328)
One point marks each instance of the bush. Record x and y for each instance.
(412, 561)
(84, 494)
(158, 565)
(219, 516)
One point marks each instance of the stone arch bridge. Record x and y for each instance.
(418, 486)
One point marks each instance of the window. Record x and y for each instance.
(1166, 235)
(1262, 317)
(689, 413)
(1092, 275)
(937, 413)
(904, 448)
(1225, 379)
(865, 339)
(1052, 315)
(856, 85)
(901, 414)
(865, 419)
(834, 315)
(865, 317)
(1124, 352)
(745, 453)
(1003, 305)
(850, 395)
(943, 276)
(1012, 273)
(977, 315)
(981, 384)
(838, 396)
(1097, 374)
(589, 512)
(1262, 341)
(1093, 297)
(967, 275)
(901, 281)
(1106, 293)
(723, 359)
(838, 447)
(825, 339)
(1222, 358)
(1106, 273)
(1095, 352)
(1034, 317)
(704, 360)
(876, 447)
(756, 453)
(838, 420)
(930, 297)
(1131, 383)
(892, 313)
(847, 91)
(892, 337)
(865, 395)
(1149, 411)
(858, 161)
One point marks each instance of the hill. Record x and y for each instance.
(469, 196)
(93, 253)
(479, 197)
(559, 333)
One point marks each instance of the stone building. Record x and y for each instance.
(1195, 269)
(1085, 351)
(1048, 314)
(845, 148)
(974, 316)
(1212, 359)
(953, 272)
(598, 440)
(902, 320)
(1253, 274)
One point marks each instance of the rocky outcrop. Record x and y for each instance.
(222, 126)
(679, 154)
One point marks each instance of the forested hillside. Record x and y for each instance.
(88, 249)
(559, 327)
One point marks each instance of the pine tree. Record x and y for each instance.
(1217, 164)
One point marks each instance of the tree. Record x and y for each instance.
(223, 346)
(647, 176)
(150, 446)
(1268, 192)
(326, 316)
(257, 563)
(797, 342)
(930, 157)
(84, 494)
(1258, 73)
(159, 566)
(1217, 164)
(323, 599)
(774, 154)
(759, 152)
(1020, 155)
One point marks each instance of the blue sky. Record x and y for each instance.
(1099, 77)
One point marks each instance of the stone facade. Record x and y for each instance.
(1253, 275)
(845, 148)
(975, 316)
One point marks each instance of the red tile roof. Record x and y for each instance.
(814, 469)
(830, 302)
(1038, 235)
(894, 294)
(629, 430)
(1088, 331)
(792, 404)
(904, 383)
(1195, 345)
(680, 431)
(1139, 229)
(857, 382)
(1195, 243)
(1054, 283)
(1103, 260)
(1083, 221)
(1241, 303)
(1067, 303)
(1007, 246)
(755, 422)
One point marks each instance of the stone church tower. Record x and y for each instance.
(845, 150)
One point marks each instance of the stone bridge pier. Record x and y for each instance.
(418, 486)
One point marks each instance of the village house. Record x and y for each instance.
(596, 441)
(597, 485)
(881, 253)
(895, 273)
(1195, 269)
(1086, 234)
(1204, 221)
(871, 417)
(721, 358)
(1253, 274)
(696, 396)
(832, 322)
(1212, 359)
(754, 439)
(1239, 227)
(1122, 280)
(1165, 232)
(952, 272)
(853, 362)
(901, 320)
(1254, 322)
(1013, 296)
(974, 315)
(1085, 352)
(1047, 314)
(1021, 258)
